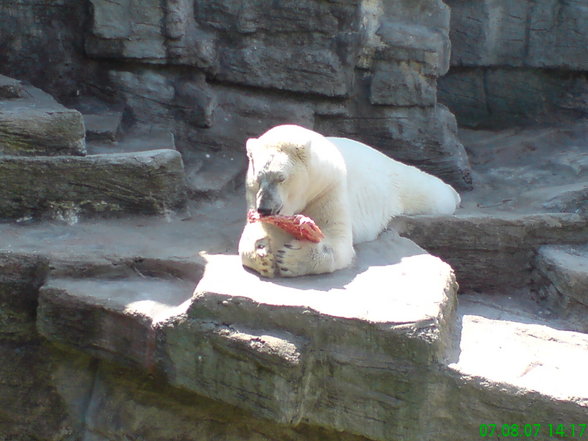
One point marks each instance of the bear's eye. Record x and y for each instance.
(280, 178)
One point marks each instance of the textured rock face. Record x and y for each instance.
(283, 351)
(146, 182)
(218, 72)
(48, 33)
(546, 33)
(516, 60)
(35, 124)
(145, 337)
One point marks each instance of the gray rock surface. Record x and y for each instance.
(146, 182)
(245, 59)
(281, 359)
(399, 132)
(377, 351)
(561, 278)
(546, 34)
(516, 62)
(10, 88)
(241, 339)
(481, 247)
(505, 97)
(139, 138)
(110, 319)
(103, 126)
(35, 124)
(399, 84)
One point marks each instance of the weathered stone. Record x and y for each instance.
(520, 169)
(570, 198)
(263, 337)
(32, 405)
(20, 278)
(501, 97)
(534, 385)
(516, 62)
(417, 43)
(65, 187)
(402, 84)
(139, 138)
(488, 32)
(214, 175)
(464, 92)
(242, 117)
(558, 32)
(197, 102)
(424, 137)
(37, 125)
(51, 39)
(153, 409)
(300, 69)
(517, 33)
(267, 346)
(201, 33)
(110, 319)
(138, 240)
(491, 252)
(149, 94)
(566, 268)
(103, 126)
(127, 29)
(10, 88)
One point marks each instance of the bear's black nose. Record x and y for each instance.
(264, 211)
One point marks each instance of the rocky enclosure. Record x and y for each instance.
(124, 311)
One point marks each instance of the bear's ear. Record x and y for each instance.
(302, 150)
(251, 145)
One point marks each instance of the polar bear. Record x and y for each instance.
(349, 189)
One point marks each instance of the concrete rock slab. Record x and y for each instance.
(566, 268)
(10, 88)
(298, 349)
(103, 126)
(214, 175)
(110, 318)
(139, 138)
(63, 187)
(36, 124)
(394, 265)
(531, 357)
(491, 251)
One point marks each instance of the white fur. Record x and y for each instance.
(380, 188)
(349, 189)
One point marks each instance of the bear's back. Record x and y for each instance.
(380, 188)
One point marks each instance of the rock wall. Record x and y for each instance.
(217, 72)
(517, 61)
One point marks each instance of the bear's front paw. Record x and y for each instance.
(289, 259)
(297, 258)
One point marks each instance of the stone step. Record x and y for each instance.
(212, 175)
(208, 175)
(104, 126)
(136, 139)
(561, 276)
(113, 319)
(63, 187)
(570, 198)
(492, 251)
(36, 124)
(10, 88)
(290, 349)
(515, 368)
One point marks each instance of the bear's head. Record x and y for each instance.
(277, 177)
